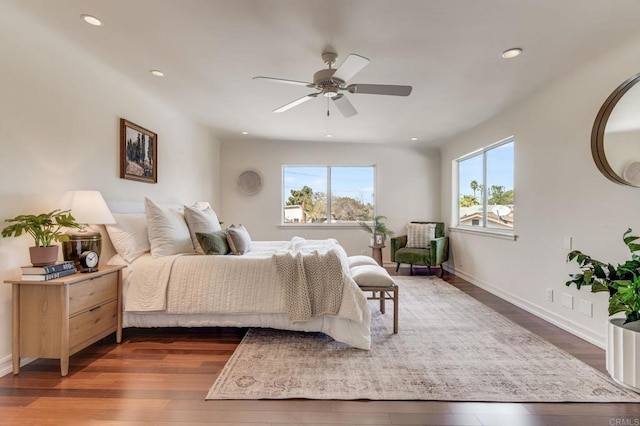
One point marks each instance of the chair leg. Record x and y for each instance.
(429, 269)
(397, 268)
(411, 269)
(441, 271)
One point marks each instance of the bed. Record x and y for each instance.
(300, 284)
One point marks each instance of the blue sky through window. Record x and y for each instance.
(346, 181)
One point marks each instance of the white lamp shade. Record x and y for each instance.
(87, 207)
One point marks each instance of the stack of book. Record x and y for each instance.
(50, 272)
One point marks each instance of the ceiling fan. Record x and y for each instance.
(329, 82)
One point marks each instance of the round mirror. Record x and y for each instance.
(615, 138)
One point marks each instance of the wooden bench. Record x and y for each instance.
(384, 293)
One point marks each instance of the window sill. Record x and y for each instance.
(318, 226)
(489, 232)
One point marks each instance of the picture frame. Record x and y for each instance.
(138, 153)
(379, 239)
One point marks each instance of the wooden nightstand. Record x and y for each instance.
(57, 318)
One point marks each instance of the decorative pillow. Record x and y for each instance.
(419, 235)
(371, 275)
(213, 242)
(200, 219)
(168, 232)
(239, 239)
(361, 260)
(129, 235)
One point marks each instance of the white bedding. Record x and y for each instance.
(238, 291)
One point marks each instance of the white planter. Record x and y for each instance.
(623, 353)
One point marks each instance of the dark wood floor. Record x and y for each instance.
(160, 377)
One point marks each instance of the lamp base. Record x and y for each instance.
(81, 241)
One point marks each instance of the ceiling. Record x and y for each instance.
(448, 50)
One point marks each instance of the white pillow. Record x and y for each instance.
(361, 260)
(200, 219)
(168, 232)
(419, 235)
(371, 276)
(129, 235)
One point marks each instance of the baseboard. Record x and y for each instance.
(539, 311)
(6, 364)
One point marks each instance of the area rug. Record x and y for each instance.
(450, 347)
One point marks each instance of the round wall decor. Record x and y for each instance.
(249, 182)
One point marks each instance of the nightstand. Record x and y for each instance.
(57, 318)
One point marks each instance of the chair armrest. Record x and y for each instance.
(396, 244)
(439, 250)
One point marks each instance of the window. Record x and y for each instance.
(327, 194)
(485, 187)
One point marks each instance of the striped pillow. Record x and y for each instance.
(419, 235)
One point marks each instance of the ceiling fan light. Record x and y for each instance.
(511, 53)
(330, 92)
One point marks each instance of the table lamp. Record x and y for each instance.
(87, 207)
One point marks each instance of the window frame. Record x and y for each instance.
(327, 224)
(481, 229)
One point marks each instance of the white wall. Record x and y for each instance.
(558, 192)
(408, 186)
(59, 130)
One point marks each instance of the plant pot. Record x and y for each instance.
(43, 256)
(623, 353)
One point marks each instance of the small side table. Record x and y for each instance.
(376, 253)
(57, 318)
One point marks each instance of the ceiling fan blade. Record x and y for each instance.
(380, 89)
(344, 106)
(283, 81)
(296, 102)
(350, 67)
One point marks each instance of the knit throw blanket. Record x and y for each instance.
(313, 280)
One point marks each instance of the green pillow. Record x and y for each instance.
(214, 242)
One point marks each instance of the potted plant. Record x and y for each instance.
(377, 228)
(44, 228)
(622, 282)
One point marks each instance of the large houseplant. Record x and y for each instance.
(377, 228)
(45, 228)
(622, 282)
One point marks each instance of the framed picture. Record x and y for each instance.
(379, 239)
(138, 153)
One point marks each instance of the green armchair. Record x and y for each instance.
(435, 255)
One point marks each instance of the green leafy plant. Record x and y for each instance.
(621, 281)
(375, 225)
(44, 228)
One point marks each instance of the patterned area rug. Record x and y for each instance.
(450, 347)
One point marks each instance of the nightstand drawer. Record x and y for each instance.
(98, 321)
(93, 292)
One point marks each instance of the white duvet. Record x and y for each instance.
(239, 291)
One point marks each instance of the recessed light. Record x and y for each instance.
(245, 133)
(511, 53)
(414, 139)
(91, 20)
(329, 136)
(157, 73)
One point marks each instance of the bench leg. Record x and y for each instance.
(395, 309)
(382, 296)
